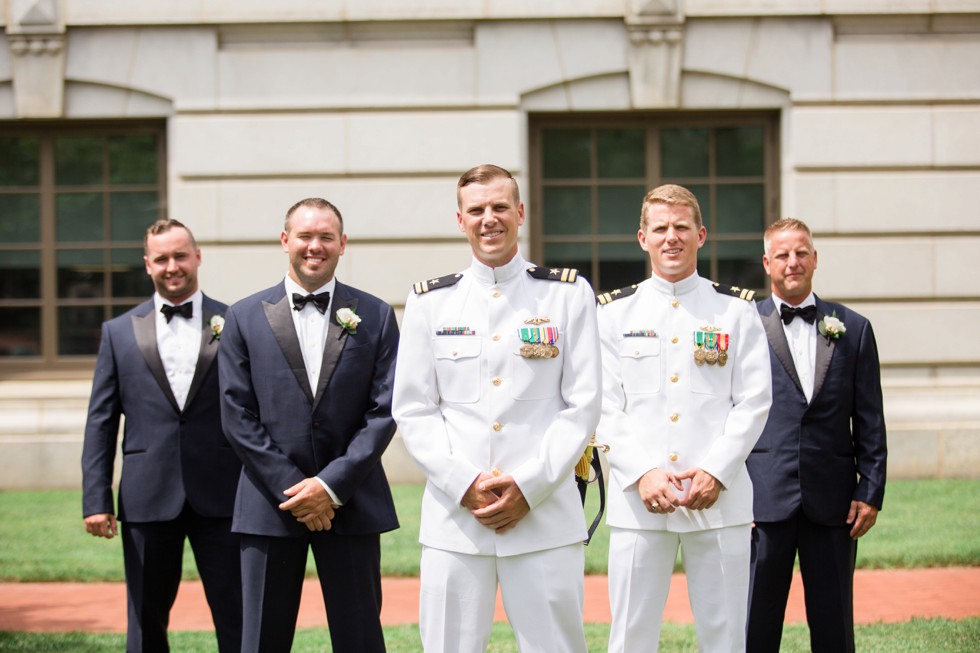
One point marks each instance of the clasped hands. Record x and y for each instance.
(310, 504)
(496, 502)
(658, 489)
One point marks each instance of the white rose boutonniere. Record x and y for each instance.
(348, 319)
(217, 324)
(831, 327)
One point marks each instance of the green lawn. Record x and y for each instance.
(917, 636)
(926, 523)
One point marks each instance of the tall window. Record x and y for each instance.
(590, 175)
(75, 202)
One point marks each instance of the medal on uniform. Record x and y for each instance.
(722, 349)
(699, 353)
(539, 342)
(711, 355)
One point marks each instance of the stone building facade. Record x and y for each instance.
(861, 117)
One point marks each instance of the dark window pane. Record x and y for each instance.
(741, 209)
(20, 331)
(131, 213)
(133, 159)
(78, 217)
(622, 153)
(567, 153)
(19, 161)
(81, 273)
(621, 265)
(119, 310)
(569, 255)
(79, 329)
(78, 161)
(684, 152)
(740, 151)
(129, 277)
(20, 274)
(740, 263)
(20, 218)
(619, 209)
(702, 193)
(567, 210)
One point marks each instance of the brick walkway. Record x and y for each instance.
(887, 596)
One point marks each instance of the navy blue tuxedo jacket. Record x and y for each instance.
(823, 454)
(284, 431)
(169, 455)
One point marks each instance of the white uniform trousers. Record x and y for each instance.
(716, 563)
(543, 594)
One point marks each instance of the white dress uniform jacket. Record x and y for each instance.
(467, 402)
(660, 409)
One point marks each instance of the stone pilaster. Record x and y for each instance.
(36, 38)
(656, 49)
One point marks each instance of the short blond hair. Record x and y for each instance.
(785, 224)
(674, 195)
(481, 175)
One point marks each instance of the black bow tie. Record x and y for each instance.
(321, 301)
(808, 313)
(185, 311)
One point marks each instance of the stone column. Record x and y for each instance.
(36, 38)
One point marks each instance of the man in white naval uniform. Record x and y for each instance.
(686, 393)
(497, 393)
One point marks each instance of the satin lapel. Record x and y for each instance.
(285, 331)
(825, 351)
(145, 330)
(207, 354)
(777, 340)
(336, 338)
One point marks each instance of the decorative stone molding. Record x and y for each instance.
(36, 40)
(656, 49)
(639, 9)
(50, 44)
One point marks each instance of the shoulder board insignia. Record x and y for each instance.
(735, 291)
(613, 295)
(423, 287)
(568, 275)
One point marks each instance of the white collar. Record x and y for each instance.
(293, 287)
(489, 276)
(810, 300)
(675, 288)
(195, 300)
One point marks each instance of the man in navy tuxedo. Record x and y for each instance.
(156, 367)
(819, 467)
(306, 374)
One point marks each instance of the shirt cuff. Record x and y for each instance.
(326, 487)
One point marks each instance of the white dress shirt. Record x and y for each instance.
(802, 339)
(179, 344)
(311, 329)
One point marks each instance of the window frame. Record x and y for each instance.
(49, 363)
(652, 123)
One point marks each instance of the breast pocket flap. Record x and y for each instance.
(456, 348)
(639, 347)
